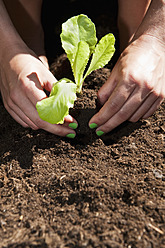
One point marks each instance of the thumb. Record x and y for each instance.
(50, 81)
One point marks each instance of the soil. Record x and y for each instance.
(89, 192)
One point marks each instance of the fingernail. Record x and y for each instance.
(93, 125)
(73, 125)
(71, 135)
(99, 133)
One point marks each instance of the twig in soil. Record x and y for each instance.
(155, 228)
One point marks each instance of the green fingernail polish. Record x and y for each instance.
(73, 125)
(71, 135)
(99, 133)
(93, 125)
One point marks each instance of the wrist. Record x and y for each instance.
(155, 40)
(149, 43)
(11, 43)
(10, 50)
(153, 23)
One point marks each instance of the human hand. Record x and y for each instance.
(135, 88)
(22, 80)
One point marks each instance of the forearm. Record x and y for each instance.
(153, 23)
(10, 41)
(26, 18)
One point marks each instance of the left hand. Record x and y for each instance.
(136, 86)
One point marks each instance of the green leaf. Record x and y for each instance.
(102, 54)
(80, 62)
(54, 108)
(76, 29)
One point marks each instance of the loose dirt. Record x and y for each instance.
(89, 192)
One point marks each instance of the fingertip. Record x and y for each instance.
(71, 135)
(60, 130)
(51, 80)
(99, 133)
(69, 119)
(73, 125)
(34, 127)
(71, 122)
(49, 86)
(93, 125)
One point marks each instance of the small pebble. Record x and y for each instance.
(158, 173)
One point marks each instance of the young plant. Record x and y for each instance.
(79, 41)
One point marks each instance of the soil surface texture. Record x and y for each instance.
(89, 192)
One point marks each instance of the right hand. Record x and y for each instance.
(22, 80)
(135, 88)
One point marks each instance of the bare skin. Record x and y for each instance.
(136, 86)
(130, 16)
(134, 90)
(23, 66)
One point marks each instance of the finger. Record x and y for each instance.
(34, 84)
(157, 103)
(114, 103)
(150, 104)
(70, 122)
(106, 90)
(121, 116)
(17, 114)
(17, 118)
(15, 111)
(33, 89)
(144, 108)
(153, 108)
(31, 112)
(129, 108)
(36, 94)
(27, 111)
(47, 79)
(23, 107)
(20, 121)
(69, 119)
(44, 60)
(36, 123)
(59, 130)
(49, 82)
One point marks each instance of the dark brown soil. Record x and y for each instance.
(87, 192)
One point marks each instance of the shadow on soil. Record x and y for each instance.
(23, 143)
(87, 136)
(124, 130)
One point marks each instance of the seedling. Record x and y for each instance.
(79, 41)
